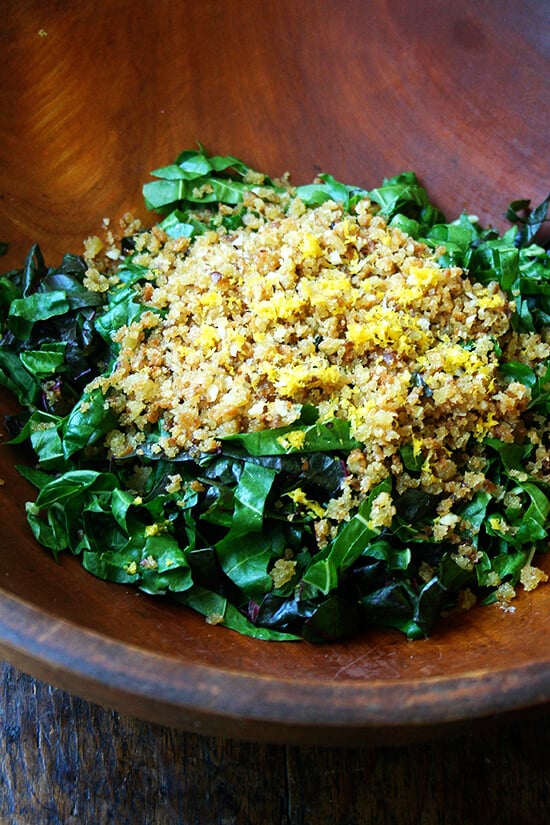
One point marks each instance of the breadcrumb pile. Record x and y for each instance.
(322, 307)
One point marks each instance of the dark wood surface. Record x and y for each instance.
(94, 95)
(65, 761)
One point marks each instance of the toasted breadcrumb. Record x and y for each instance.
(504, 594)
(214, 618)
(531, 577)
(341, 311)
(283, 571)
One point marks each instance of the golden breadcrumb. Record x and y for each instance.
(341, 311)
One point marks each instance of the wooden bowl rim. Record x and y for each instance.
(222, 701)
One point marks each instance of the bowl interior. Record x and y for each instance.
(91, 101)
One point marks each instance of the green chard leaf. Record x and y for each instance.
(215, 540)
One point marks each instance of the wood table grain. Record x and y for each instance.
(66, 761)
(96, 94)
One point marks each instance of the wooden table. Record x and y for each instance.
(356, 88)
(65, 761)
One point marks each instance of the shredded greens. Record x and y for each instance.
(212, 540)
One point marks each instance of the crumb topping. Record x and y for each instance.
(321, 307)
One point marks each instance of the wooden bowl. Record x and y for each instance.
(92, 97)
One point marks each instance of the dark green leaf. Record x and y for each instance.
(25, 312)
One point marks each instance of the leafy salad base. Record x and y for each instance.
(217, 539)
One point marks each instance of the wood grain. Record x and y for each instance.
(92, 97)
(65, 761)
